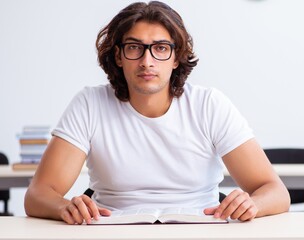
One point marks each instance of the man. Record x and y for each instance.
(148, 138)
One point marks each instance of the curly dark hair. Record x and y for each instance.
(111, 35)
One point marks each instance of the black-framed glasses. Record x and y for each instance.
(161, 51)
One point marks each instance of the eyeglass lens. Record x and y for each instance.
(160, 51)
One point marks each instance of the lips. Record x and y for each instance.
(147, 76)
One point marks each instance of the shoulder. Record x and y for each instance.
(95, 91)
(205, 95)
(95, 94)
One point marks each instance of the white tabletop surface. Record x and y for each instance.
(285, 169)
(281, 169)
(282, 226)
(291, 174)
(8, 171)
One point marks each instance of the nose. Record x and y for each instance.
(147, 60)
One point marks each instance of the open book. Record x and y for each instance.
(150, 215)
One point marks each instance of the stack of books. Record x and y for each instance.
(33, 142)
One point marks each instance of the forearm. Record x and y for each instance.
(271, 198)
(58, 170)
(44, 202)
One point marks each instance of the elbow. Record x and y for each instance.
(28, 202)
(288, 201)
(285, 199)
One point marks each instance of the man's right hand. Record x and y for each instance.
(82, 208)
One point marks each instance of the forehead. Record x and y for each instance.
(148, 32)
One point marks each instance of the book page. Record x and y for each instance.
(187, 215)
(180, 210)
(151, 215)
(132, 216)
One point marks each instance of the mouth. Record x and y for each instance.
(147, 76)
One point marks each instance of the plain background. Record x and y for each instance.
(252, 50)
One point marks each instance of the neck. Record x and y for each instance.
(151, 105)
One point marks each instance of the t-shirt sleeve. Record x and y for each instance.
(228, 128)
(74, 123)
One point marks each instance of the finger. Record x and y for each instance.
(67, 217)
(104, 212)
(73, 210)
(91, 207)
(82, 208)
(210, 211)
(242, 209)
(233, 206)
(231, 203)
(249, 214)
(226, 202)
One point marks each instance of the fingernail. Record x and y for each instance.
(217, 215)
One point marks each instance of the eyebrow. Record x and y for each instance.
(140, 41)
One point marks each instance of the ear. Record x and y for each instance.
(175, 64)
(118, 56)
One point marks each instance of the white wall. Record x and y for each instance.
(252, 50)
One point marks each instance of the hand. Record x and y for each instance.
(82, 208)
(237, 205)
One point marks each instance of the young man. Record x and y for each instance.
(148, 138)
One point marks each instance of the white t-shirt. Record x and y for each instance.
(170, 161)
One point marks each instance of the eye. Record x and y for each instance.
(133, 46)
(162, 47)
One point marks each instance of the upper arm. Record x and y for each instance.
(249, 166)
(59, 166)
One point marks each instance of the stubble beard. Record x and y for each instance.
(152, 89)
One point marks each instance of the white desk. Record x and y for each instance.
(10, 178)
(291, 174)
(282, 226)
